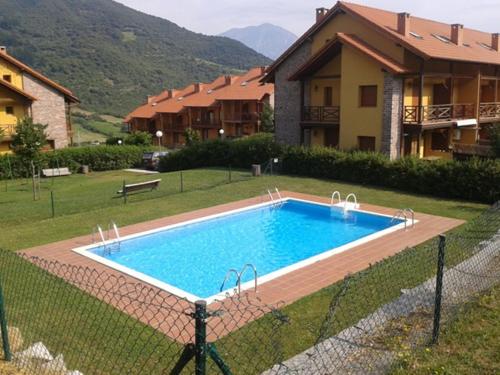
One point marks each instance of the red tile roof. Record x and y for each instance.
(16, 90)
(332, 48)
(244, 87)
(25, 68)
(385, 22)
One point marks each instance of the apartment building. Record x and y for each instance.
(370, 79)
(230, 103)
(24, 92)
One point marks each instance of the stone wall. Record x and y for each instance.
(391, 117)
(49, 109)
(287, 97)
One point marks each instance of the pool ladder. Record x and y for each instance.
(403, 214)
(354, 204)
(238, 277)
(275, 202)
(108, 247)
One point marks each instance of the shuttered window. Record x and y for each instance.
(367, 96)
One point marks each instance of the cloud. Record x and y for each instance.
(216, 16)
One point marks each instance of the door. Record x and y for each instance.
(441, 93)
(331, 137)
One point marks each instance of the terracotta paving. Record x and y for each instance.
(172, 320)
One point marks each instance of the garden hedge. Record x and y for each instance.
(98, 158)
(473, 179)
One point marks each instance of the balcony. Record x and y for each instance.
(7, 130)
(206, 123)
(429, 114)
(318, 114)
(489, 111)
(242, 117)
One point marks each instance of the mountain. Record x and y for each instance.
(112, 56)
(269, 40)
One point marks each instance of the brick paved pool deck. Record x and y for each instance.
(282, 290)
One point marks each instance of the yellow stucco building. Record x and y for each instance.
(25, 92)
(370, 79)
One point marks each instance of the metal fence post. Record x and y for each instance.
(439, 289)
(52, 204)
(229, 171)
(3, 327)
(182, 183)
(200, 337)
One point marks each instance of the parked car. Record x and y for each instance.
(151, 160)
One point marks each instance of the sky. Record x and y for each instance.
(216, 16)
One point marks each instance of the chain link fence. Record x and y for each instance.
(60, 319)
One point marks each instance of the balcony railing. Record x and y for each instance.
(242, 117)
(415, 114)
(7, 130)
(206, 122)
(489, 110)
(321, 114)
(471, 149)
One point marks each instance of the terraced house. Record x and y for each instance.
(375, 80)
(230, 103)
(24, 92)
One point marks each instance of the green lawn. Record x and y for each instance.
(84, 201)
(469, 346)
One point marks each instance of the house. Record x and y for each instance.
(370, 79)
(231, 103)
(24, 92)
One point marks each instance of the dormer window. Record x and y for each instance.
(415, 35)
(244, 83)
(466, 45)
(442, 38)
(7, 77)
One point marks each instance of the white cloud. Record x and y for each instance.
(216, 16)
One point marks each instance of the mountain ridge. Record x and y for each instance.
(266, 38)
(112, 56)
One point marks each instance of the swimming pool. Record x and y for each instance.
(191, 259)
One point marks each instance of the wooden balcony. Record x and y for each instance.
(242, 117)
(317, 114)
(206, 123)
(428, 114)
(489, 111)
(8, 131)
(471, 149)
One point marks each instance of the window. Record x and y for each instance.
(9, 110)
(484, 45)
(7, 77)
(442, 38)
(327, 96)
(415, 35)
(368, 96)
(366, 143)
(439, 141)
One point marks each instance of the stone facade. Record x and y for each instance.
(49, 109)
(287, 110)
(391, 117)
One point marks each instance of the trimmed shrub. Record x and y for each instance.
(240, 153)
(98, 158)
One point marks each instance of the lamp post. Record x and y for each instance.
(159, 134)
(120, 142)
(221, 133)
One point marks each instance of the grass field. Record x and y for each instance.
(81, 202)
(469, 346)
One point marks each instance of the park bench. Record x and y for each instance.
(148, 185)
(56, 172)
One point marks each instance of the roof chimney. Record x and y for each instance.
(495, 41)
(262, 70)
(198, 87)
(228, 80)
(404, 24)
(320, 14)
(3, 49)
(171, 93)
(457, 34)
(150, 98)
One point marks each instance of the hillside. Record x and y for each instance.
(112, 56)
(267, 39)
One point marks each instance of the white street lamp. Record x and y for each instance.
(120, 142)
(159, 134)
(221, 132)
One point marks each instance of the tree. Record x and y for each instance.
(191, 136)
(494, 135)
(267, 119)
(27, 143)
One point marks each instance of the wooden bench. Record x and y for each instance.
(56, 172)
(151, 185)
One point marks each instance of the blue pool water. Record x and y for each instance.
(196, 257)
